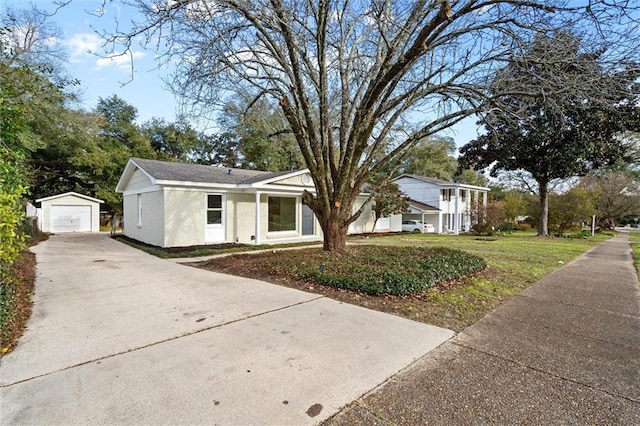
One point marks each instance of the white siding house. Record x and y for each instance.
(69, 212)
(170, 204)
(448, 206)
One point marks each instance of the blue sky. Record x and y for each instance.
(102, 77)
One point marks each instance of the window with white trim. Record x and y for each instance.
(214, 209)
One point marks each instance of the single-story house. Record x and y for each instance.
(448, 206)
(170, 204)
(69, 212)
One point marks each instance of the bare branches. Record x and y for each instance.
(360, 82)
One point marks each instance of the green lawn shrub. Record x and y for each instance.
(379, 270)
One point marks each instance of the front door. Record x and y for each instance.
(214, 228)
(307, 220)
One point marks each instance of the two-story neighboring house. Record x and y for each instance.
(448, 206)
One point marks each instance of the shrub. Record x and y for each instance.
(505, 227)
(524, 227)
(376, 270)
(581, 234)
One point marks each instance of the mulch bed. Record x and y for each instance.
(417, 307)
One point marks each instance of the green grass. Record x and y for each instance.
(522, 256)
(393, 277)
(514, 261)
(634, 237)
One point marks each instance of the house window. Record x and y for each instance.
(282, 214)
(446, 194)
(139, 200)
(214, 209)
(463, 195)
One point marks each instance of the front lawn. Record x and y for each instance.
(514, 262)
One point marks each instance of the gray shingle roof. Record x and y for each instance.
(426, 179)
(184, 172)
(422, 206)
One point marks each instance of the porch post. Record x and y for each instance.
(476, 208)
(257, 219)
(456, 216)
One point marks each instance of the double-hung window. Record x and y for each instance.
(214, 209)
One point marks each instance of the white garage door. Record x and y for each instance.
(70, 218)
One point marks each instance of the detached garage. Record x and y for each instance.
(69, 212)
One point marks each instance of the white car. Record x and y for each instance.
(417, 226)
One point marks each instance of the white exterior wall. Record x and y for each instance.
(454, 215)
(138, 181)
(185, 217)
(420, 191)
(150, 229)
(69, 200)
(364, 224)
(240, 214)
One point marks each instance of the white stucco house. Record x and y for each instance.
(169, 204)
(69, 212)
(446, 205)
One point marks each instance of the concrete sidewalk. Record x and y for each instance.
(564, 351)
(120, 337)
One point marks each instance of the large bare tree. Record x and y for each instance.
(359, 82)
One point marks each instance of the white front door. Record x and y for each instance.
(214, 227)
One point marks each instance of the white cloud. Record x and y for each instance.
(88, 47)
(82, 45)
(121, 62)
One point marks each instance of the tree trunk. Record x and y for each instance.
(543, 222)
(335, 235)
(375, 222)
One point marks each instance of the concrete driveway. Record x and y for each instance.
(121, 337)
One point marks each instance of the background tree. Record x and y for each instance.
(29, 91)
(261, 133)
(471, 177)
(222, 150)
(119, 139)
(432, 157)
(515, 205)
(350, 78)
(571, 209)
(617, 195)
(31, 38)
(486, 219)
(171, 141)
(69, 139)
(568, 119)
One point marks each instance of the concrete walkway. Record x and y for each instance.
(564, 351)
(121, 337)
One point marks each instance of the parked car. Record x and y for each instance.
(417, 226)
